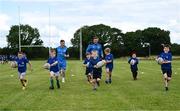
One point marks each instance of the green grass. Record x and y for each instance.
(147, 93)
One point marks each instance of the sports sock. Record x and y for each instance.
(51, 82)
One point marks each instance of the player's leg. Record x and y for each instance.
(63, 71)
(57, 80)
(107, 76)
(110, 75)
(51, 80)
(21, 78)
(165, 80)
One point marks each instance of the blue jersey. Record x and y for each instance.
(97, 47)
(51, 61)
(61, 52)
(94, 61)
(86, 61)
(134, 66)
(166, 57)
(109, 57)
(22, 67)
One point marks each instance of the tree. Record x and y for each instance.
(28, 34)
(111, 37)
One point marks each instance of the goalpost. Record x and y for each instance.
(36, 46)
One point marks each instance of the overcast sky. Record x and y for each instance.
(69, 15)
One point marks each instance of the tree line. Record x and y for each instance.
(144, 42)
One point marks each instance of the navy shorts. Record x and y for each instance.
(97, 73)
(88, 71)
(109, 68)
(167, 71)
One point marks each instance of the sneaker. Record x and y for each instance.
(23, 88)
(98, 83)
(106, 82)
(110, 81)
(94, 89)
(166, 88)
(51, 87)
(25, 83)
(63, 80)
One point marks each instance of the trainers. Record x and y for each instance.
(23, 88)
(166, 88)
(63, 80)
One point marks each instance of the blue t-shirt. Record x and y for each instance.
(109, 57)
(166, 57)
(86, 61)
(134, 66)
(22, 67)
(61, 51)
(51, 61)
(97, 47)
(93, 61)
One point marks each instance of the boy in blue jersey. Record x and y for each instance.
(54, 69)
(95, 70)
(62, 54)
(133, 61)
(109, 65)
(88, 69)
(21, 62)
(166, 65)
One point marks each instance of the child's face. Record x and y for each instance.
(88, 56)
(166, 49)
(52, 54)
(134, 56)
(94, 54)
(106, 52)
(20, 56)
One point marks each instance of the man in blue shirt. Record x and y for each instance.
(109, 65)
(133, 61)
(62, 54)
(166, 65)
(95, 46)
(54, 69)
(21, 62)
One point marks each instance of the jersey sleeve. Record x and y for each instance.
(67, 52)
(85, 62)
(88, 49)
(129, 60)
(26, 60)
(170, 57)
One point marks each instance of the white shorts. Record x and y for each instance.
(21, 75)
(54, 73)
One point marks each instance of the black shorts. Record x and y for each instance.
(97, 73)
(167, 71)
(88, 71)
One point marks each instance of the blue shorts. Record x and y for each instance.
(167, 71)
(62, 65)
(109, 69)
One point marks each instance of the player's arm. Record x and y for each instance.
(85, 64)
(129, 60)
(88, 49)
(66, 54)
(55, 63)
(30, 65)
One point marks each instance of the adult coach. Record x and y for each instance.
(95, 46)
(62, 54)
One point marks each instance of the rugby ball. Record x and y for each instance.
(14, 64)
(46, 66)
(132, 62)
(159, 60)
(100, 64)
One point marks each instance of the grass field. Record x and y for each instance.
(147, 93)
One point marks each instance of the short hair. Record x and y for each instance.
(87, 53)
(52, 51)
(62, 40)
(108, 50)
(20, 52)
(167, 45)
(95, 37)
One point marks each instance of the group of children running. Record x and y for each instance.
(93, 71)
